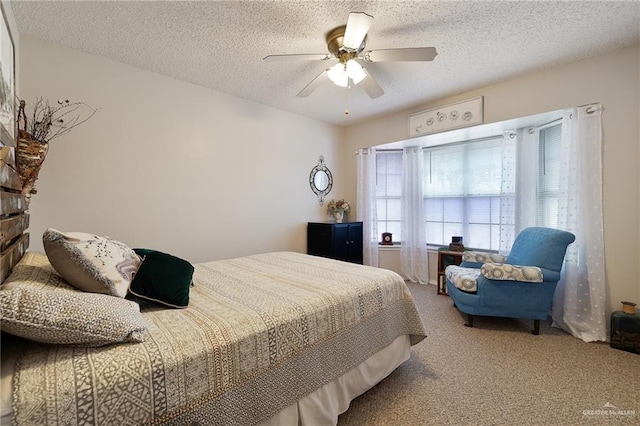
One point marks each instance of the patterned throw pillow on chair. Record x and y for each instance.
(500, 271)
(90, 262)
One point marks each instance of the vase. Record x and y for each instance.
(30, 155)
(338, 215)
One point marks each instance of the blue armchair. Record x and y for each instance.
(518, 286)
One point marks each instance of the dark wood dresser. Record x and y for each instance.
(336, 240)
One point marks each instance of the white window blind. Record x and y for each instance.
(388, 193)
(462, 193)
(549, 175)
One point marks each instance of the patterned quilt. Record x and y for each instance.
(260, 332)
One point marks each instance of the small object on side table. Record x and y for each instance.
(456, 244)
(625, 329)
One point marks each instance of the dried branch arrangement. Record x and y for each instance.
(48, 122)
(35, 131)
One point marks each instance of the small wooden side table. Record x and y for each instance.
(446, 258)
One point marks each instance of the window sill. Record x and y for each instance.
(385, 247)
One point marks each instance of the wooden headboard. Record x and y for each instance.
(14, 218)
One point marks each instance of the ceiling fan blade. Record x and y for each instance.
(298, 57)
(402, 54)
(321, 78)
(371, 86)
(357, 27)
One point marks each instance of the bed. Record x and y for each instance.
(270, 339)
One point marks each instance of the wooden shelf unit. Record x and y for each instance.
(446, 258)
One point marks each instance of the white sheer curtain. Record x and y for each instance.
(414, 260)
(527, 178)
(366, 204)
(508, 191)
(580, 299)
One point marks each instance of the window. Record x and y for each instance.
(548, 175)
(462, 193)
(463, 187)
(388, 193)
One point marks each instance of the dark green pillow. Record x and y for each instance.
(162, 278)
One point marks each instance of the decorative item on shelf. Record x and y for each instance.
(387, 239)
(456, 244)
(629, 308)
(44, 124)
(337, 210)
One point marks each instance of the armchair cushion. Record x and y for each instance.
(502, 271)
(466, 279)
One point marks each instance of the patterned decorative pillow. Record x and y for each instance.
(70, 317)
(504, 271)
(90, 262)
(482, 257)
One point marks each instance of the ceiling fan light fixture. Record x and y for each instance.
(355, 71)
(341, 73)
(338, 75)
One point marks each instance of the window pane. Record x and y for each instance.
(433, 209)
(435, 233)
(394, 228)
(394, 209)
(451, 230)
(479, 236)
(394, 185)
(479, 209)
(453, 210)
(382, 227)
(381, 209)
(381, 185)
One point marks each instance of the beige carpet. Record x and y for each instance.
(498, 373)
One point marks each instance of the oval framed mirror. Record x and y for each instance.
(320, 180)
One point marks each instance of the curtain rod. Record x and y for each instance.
(482, 139)
(590, 109)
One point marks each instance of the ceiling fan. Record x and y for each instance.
(346, 43)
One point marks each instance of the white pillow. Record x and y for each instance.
(91, 263)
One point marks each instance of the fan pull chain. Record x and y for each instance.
(346, 110)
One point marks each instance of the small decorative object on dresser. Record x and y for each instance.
(337, 210)
(387, 239)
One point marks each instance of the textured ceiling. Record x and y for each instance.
(221, 45)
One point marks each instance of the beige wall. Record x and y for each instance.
(172, 166)
(613, 80)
